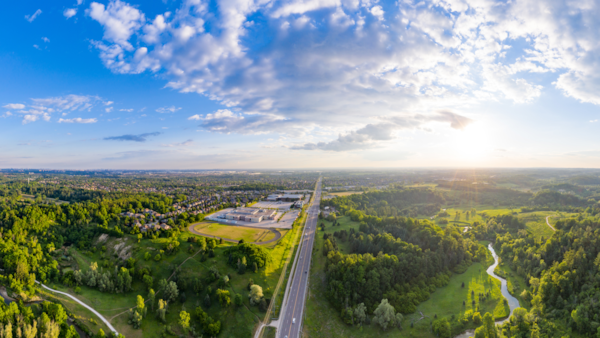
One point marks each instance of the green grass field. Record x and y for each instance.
(234, 232)
(481, 211)
(444, 302)
(536, 223)
(269, 332)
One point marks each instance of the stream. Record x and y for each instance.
(513, 303)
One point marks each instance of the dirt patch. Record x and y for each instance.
(122, 249)
(103, 238)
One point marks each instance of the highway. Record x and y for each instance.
(295, 297)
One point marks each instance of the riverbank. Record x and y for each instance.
(513, 303)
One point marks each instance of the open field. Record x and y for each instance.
(444, 302)
(536, 223)
(481, 214)
(345, 193)
(234, 232)
(47, 199)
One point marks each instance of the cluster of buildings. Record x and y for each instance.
(252, 215)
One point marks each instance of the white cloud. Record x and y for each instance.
(70, 12)
(14, 106)
(127, 110)
(109, 109)
(433, 55)
(44, 107)
(164, 110)
(373, 135)
(32, 17)
(593, 121)
(78, 120)
(120, 21)
(45, 39)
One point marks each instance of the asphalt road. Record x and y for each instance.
(293, 306)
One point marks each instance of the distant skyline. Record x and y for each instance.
(242, 84)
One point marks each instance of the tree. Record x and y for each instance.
(162, 310)
(100, 334)
(442, 328)
(224, 298)
(141, 307)
(489, 325)
(237, 299)
(149, 281)
(256, 294)
(384, 315)
(477, 318)
(171, 292)
(207, 300)
(151, 296)
(184, 320)
(360, 313)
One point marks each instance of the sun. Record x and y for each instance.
(471, 144)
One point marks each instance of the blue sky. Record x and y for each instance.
(299, 84)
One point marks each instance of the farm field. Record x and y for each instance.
(234, 232)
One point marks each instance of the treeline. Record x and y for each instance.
(398, 259)
(392, 203)
(45, 319)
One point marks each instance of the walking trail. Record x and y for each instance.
(276, 232)
(82, 304)
(548, 222)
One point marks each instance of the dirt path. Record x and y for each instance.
(276, 232)
(84, 305)
(548, 222)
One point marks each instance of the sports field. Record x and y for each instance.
(234, 232)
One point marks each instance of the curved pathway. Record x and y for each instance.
(84, 305)
(276, 232)
(548, 222)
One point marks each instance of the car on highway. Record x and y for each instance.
(294, 321)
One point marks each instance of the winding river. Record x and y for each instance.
(513, 303)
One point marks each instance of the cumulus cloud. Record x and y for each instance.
(133, 138)
(14, 106)
(164, 110)
(32, 17)
(373, 135)
(126, 110)
(119, 19)
(70, 12)
(357, 65)
(78, 120)
(194, 117)
(45, 39)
